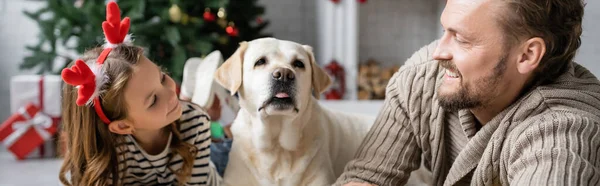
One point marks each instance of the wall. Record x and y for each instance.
(16, 31)
(589, 53)
(391, 30)
(292, 20)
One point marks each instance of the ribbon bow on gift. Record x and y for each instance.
(40, 122)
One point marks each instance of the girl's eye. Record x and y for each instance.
(154, 101)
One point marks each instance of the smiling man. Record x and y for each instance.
(497, 100)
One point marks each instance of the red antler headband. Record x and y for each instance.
(89, 78)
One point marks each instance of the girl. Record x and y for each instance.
(123, 122)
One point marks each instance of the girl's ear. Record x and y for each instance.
(121, 127)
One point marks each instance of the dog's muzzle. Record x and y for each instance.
(282, 93)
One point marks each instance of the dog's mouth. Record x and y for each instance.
(280, 102)
(282, 99)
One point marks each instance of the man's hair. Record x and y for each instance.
(557, 22)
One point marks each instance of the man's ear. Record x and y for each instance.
(229, 75)
(530, 55)
(121, 127)
(320, 80)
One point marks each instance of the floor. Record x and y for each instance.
(33, 172)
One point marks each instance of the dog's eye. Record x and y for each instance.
(261, 61)
(298, 64)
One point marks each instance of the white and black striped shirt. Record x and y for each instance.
(141, 168)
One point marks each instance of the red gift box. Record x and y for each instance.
(30, 131)
(27, 130)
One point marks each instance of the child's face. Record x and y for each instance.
(151, 98)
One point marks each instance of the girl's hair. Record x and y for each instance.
(90, 155)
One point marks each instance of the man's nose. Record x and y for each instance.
(442, 52)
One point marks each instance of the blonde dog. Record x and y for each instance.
(282, 135)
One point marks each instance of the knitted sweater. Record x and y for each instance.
(549, 136)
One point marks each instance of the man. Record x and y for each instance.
(496, 100)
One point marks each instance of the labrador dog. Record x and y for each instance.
(282, 136)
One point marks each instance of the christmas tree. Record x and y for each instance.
(171, 31)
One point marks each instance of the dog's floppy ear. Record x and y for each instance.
(229, 75)
(320, 79)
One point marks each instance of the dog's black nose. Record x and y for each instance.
(283, 74)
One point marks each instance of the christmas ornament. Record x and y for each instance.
(221, 13)
(362, 1)
(194, 20)
(223, 40)
(175, 13)
(78, 3)
(232, 30)
(335, 1)
(208, 16)
(222, 22)
(338, 87)
(185, 19)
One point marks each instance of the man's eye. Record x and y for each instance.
(460, 41)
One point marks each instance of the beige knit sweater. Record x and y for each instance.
(550, 136)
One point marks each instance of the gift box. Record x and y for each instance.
(30, 132)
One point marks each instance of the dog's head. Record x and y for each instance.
(275, 77)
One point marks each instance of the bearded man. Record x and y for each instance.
(497, 100)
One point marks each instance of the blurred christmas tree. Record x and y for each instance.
(171, 31)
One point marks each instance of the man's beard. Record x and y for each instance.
(475, 96)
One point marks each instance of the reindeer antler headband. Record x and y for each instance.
(89, 78)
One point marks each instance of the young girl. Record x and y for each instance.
(123, 122)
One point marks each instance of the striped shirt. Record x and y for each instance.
(141, 168)
(549, 136)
